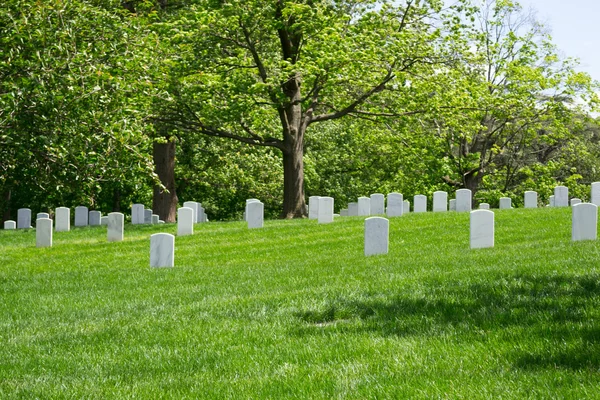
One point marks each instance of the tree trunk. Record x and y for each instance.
(164, 202)
(116, 200)
(6, 215)
(472, 180)
(294, 205)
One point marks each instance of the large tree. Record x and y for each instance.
(262, 72)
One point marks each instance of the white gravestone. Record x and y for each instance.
(352, 209)
(325, 210)
(248, 201)
(147, 216)
(452, 205)
(531, 199)
(201, 216)
(23, 218)
(114, 228)
(377, 204)
(482, 229)
(484, 206)
(43, 232)
(104, 221)
(575, 201)
(81, 216)
(420, 203)
(463, 200)
(595, 193)
(10, 224)
(155, 219)
(41, 216)
(364, 206)
(313, 207)
(344, 212)
(255, 214)
(137, 214)
(194, 206)
(584, 222)
(377, 230)
(551, 201)
(561, 196)
(94, 218)
(440, 201)
(185, 221)
(162, 250)
(505, 203)
(405, 207)
(62, 215)
(395, 205)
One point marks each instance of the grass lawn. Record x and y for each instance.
(294, 310)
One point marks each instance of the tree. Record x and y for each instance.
(263, 72)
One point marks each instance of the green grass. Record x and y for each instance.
(295, 310)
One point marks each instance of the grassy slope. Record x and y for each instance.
(296, 310)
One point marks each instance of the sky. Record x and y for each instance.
(575, 29)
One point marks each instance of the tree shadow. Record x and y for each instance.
(559, 310)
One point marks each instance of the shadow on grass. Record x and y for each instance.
(552, 315)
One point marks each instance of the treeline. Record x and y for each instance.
(107, 103)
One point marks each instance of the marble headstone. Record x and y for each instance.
(114, 228)
(551, 201)
(405, 207)
(155, 218)
(352, 209)
(482, 229)
(43, 232)
(531, 199)
(452, 205)
(162, 250)
(147, 216)
(377, 231)
(505, 203)
(41, 216)
(344, 212)
(377, 204)
(575, 201)
(325, 210)
(584, 222)
(23, 218)
(561, 196)
(94, 218)
(313, 207)
(62, 215)
(248, 201)
(463, 200)
(395, 205)
(137, 214)
(104, 220)
(440, 201)
(595, 193)
(194, 207)
(10, 224)
(81, 216)
(200, 215)
(484, 206)
(185, 221)
(255, 214)
(364, 206)
(420, 203)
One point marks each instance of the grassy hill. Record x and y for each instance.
(295, 310)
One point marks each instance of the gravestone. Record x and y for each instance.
(313, 207)
(81, 216)
(115, 226)
(325, 210)
(160, 221)
(551, 201)
(575, 201)
(94, 218)
(104, 220)
(155, 218)
(344, 212)
(352, 209)
(248, 201)
(484, 206)
(584, 224)
(137, 214)
(43, 232)
(10, 224)
(147, 216)
(364, 206)
(201, 217)
(452, 206)
(395, 205)
(255, 214)
(377, 232)
(62, 215)
(194, 207)
(463, 200)
(23, 218)
(440, 201)
(561, 196)
(420, 203)
(595, 193)
(531, 199)
(405, 207)
(162, 250)
(42, 216)
(505, 203)
(377, 204)
(185, 221)
(482, 229)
